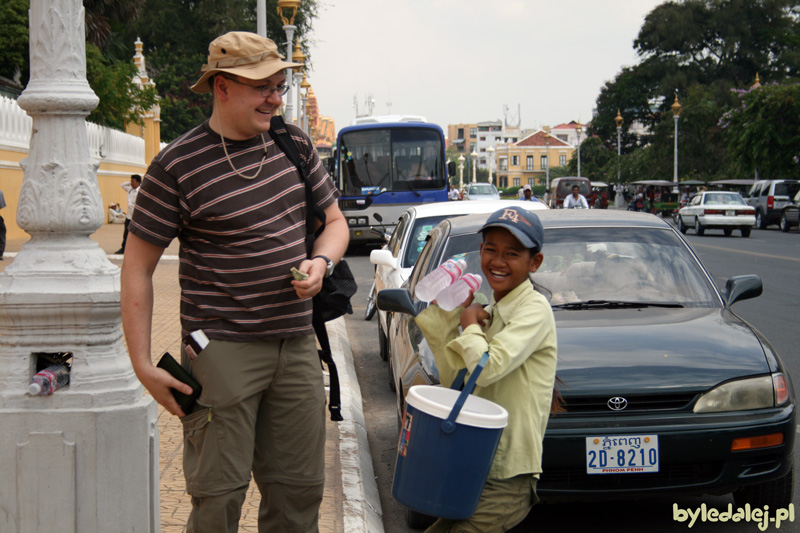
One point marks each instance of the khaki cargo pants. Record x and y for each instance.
(262, 409)
(504, 503)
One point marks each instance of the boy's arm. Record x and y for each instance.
(528, 328)
(439, 327)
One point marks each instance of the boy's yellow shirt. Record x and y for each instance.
(521, 340)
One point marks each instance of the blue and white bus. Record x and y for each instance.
(385, 164)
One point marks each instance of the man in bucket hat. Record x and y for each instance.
(237, 206)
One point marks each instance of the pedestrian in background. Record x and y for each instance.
(237, 205)
(576, 200)
(2, 227)
(132, 188)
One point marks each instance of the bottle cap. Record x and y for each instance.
(35, 388)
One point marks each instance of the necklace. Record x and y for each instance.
(228, 157)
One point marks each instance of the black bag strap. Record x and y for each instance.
(280, 134)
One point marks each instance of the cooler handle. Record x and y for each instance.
(449, 425)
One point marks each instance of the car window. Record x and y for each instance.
(696, 200)
(628, 264)
(724, 199)
(418, 237)
(781, 189)
(397, 235)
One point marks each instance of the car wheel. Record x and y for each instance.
(417, 520)
(698, 228)
(784, 223)
(372, 304)
(745, 232)
(777, 493)
(681, 226)
(761, 222)
(727, 232)
(383, 343)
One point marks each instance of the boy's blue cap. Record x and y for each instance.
(523, 224)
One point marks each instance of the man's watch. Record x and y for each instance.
(329, 267)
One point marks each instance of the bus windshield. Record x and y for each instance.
(390, 160)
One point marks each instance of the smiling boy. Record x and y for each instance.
(518, 330)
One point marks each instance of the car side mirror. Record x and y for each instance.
(451, 168)
(398, 301)
(740, 288)
(382, 257)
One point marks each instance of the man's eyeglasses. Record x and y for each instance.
(264, 90)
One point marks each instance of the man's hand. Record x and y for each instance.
(159, 382)
(315, 268)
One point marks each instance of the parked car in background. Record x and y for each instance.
(769, 197)
(481, 191)
(560, 188)
(717, 210)
(667, 391)
(393, 262)
(790, 215)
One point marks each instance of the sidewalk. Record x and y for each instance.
(350, 502)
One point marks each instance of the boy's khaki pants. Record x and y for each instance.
(504, 503)
(262, 409)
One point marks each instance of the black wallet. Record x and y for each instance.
(186, 401)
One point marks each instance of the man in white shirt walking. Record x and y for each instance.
(576, 200)
(132, 189)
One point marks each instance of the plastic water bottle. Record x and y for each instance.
(432, 284)
(49, 380)
(454, 295)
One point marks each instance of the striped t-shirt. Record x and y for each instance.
(238, 237)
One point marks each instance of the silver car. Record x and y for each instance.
(481, 191)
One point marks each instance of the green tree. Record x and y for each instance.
(120, 100)
(176, 34)
(763, 133)
(14, 39)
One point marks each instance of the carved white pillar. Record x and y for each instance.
(91, 449)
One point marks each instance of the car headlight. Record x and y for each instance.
(753, 393)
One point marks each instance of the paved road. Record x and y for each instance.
(773, 255)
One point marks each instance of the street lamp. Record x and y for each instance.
(474, 157)
(298, 57)
(579, 130)
(304, 87)
(547, 157)
(619, 120)
(288, 27)
(491, 161)
(461, 160)
(676, 112)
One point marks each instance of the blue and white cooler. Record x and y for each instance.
(446, 448)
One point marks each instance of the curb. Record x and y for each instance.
(362, 506)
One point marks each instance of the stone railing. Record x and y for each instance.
(105, 144)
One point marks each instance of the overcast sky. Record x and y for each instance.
(456, 61)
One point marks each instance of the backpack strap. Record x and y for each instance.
(283, 139)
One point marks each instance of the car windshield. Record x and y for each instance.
(593, 267)
(482, 189)
(724, 198)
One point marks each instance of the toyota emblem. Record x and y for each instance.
(617, 403)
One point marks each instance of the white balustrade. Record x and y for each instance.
(105, 144)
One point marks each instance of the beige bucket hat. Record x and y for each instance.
(243, 54)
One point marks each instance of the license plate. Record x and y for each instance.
(730, 213)
(621, 454)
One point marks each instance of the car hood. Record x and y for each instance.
(640, 350)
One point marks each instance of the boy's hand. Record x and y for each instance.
(474, 314)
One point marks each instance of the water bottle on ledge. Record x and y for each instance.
(431, 285)
(49, 380)
(455, 294)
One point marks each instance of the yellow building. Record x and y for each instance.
(525, 162)
(463, 137)
(118, 154)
